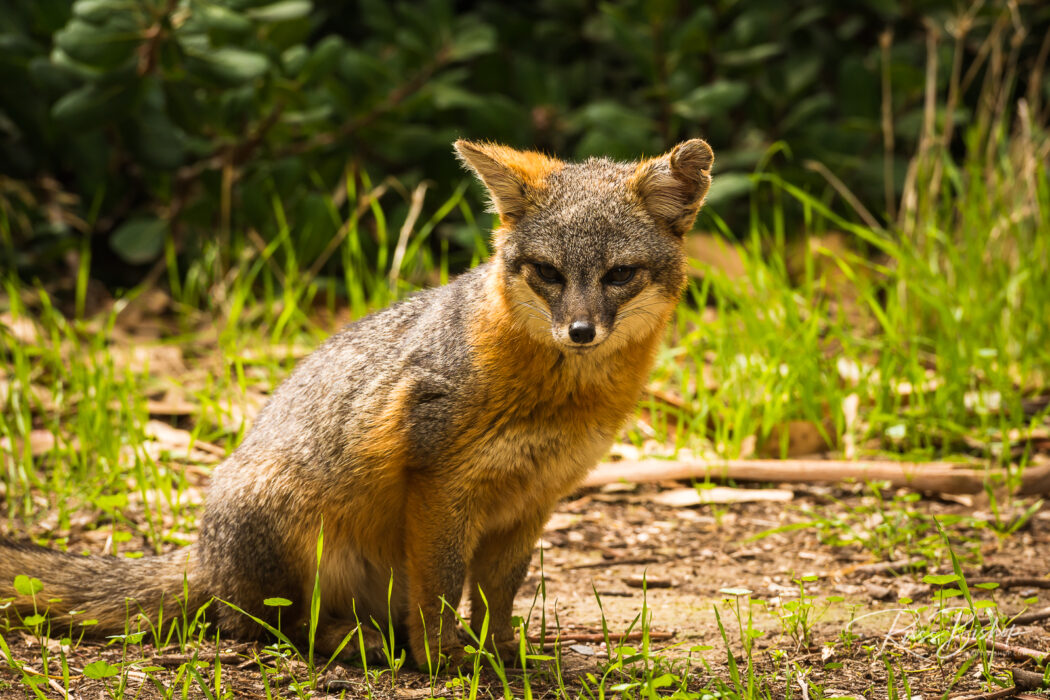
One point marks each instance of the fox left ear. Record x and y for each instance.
(673, 186)
(513, 178)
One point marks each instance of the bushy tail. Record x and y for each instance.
(113, 591)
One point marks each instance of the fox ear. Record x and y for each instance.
(673, 186)
(513, 178)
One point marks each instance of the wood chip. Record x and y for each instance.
(683, 498)
(647, 582)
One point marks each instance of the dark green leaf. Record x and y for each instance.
(472, 39)
(86, 107)
(217, 18)
(324, 59)
(281, 11)
(750, 55)
(100, 46)
(711, 99)
(233, 65)
(99, 11)
(139, 240)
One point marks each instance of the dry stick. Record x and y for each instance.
(982, 54)
(943, 477)
(1006, 86)
(962, 26)
(1030, 617)
(616, 562)
(590, 637)
(1027, 150)
(910, 196)
(1027, 680)
(362, 206)
(260, 245)
(1012, 581)
(1018, 653)
(885, 566)
(840, 187)
(406, 230)
(179, 659)
(885, 42)
(1010, 692)
(57, 688)
(1035, 79)
(803, 685)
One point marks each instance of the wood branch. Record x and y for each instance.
(1015, 652)
(235, 154)
(1021, 653)
(1011, 581)
(389, 103)
(885, 567)
(1030, 617)
(596, 638)
(1027, 680)
(1002, 694)
(179, 659)
(621, 561)
(941, 477)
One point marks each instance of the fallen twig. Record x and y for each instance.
(1016, 652)
(615, 562)
(942, 477)
(1010, 692)
(1012, 581)
(1028, 680)
(803, 686)
(884, 567)
(179, 659)
(1023, 680)
(1030, 617)
(594, 638)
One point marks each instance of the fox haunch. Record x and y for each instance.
(433, 438)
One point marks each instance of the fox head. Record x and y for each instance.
(591, 253)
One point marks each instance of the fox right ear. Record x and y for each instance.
(513, 178)
(673, 186)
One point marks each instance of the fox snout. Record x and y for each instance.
(579, 333)
(581, 316)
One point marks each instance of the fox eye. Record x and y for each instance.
(548, 273)
(620, 275)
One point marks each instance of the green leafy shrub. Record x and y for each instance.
(131, 125)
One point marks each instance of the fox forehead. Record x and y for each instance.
(587, 213)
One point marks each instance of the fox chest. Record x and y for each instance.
(524, 462)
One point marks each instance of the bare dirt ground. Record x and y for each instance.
(695, 560)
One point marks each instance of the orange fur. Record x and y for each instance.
(515, 179)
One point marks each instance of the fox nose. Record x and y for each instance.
(581, 331)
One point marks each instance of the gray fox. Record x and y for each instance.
(431, 439)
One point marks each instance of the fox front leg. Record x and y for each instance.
(436, 543)
(498, 569)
